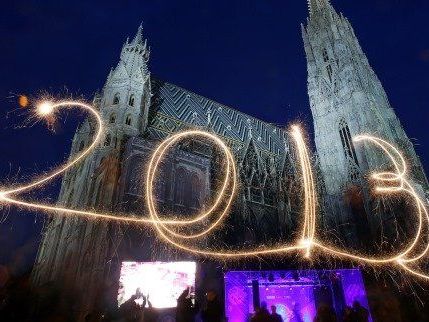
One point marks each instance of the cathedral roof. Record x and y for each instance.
(174, 108)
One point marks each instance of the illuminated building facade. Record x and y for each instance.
(348, 99)
(139, 110)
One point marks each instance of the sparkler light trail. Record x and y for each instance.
(171, 230)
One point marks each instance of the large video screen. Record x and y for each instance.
(162, 281)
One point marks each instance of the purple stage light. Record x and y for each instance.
(295, 294)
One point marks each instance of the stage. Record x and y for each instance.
(296, 294)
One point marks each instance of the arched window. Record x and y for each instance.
(131, 100)
(112, 118)
(107, 140)
(81, 145)
(347, 142)
(128, 120)
(180, 186)
(116, 99)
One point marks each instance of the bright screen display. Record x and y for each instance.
(162, 281)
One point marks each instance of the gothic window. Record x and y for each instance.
(255, 187)
(250, 173)
(116, 99)
(250, 161)
(81, 145)
(269, 191)
(353, 171)
(329, 70)
(346, 141)
(325, 55)
(112, 119)
(131, 100)
(107, 140)
(128, 120)
(180, 186)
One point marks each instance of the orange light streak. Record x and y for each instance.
(167, 229)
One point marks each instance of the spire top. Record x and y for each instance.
(138, 39)
(317, 5)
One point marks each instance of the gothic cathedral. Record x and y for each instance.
(139, 110)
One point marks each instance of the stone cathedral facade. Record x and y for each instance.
(139, 110)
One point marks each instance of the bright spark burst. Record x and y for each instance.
(390, 182)
(45, 108)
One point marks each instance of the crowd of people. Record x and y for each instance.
(211, 310)
(21, 303)
(325, 313)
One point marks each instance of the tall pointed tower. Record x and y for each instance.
(347, 99)
(76, 253)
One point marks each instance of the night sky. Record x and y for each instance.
(245, 54)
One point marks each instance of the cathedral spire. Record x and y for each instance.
(317, 5)
(138, 39)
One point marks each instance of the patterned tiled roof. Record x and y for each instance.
(175, 108)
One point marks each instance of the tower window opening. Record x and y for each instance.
(329, 70)
(131, 100)
(325, 55)
(116, 99)
(112, 119)
(346, 141)
(128, 120)
(107, 140)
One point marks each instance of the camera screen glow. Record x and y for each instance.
(162, 281)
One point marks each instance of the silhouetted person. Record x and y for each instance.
(261, 314)
(275, 317)
(185, 310)
(212, 310)
(325, 314)
(360, 312)
(130, 311)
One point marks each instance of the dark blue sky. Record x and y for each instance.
(245, 54)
